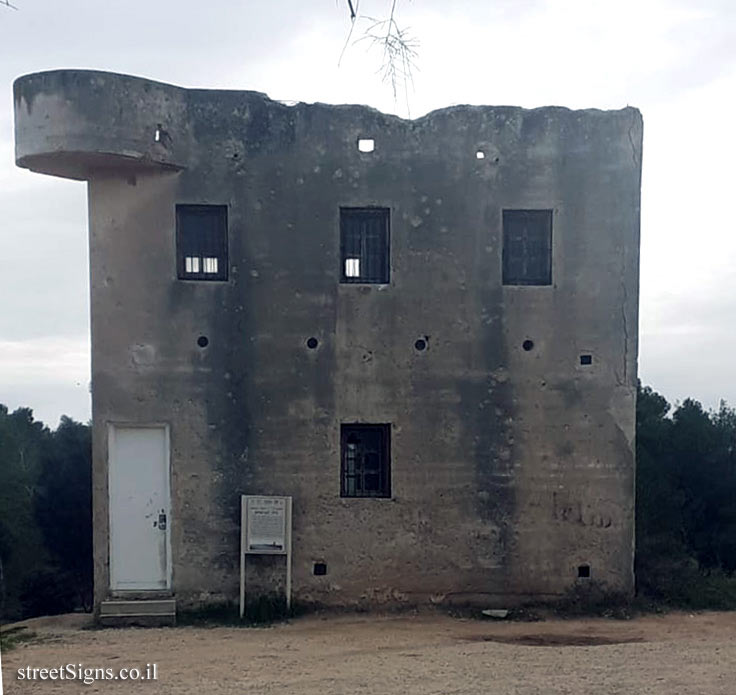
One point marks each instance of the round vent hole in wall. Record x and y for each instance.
(312, 343)
(420, 345)
(203, 341)
(528, 345)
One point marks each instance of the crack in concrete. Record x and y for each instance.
(624, 321)
(637, 163)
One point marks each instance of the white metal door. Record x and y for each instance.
(139, 508)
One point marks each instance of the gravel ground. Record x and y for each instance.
(674, 654)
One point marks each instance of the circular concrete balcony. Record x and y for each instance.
(83, 123)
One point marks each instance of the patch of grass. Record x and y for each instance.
(266, 610)
(595, 600)
(689, 589)
(589, 600)
(209, 615)
(525, 614)
(12, 637)
(261, 612)
(521, 614)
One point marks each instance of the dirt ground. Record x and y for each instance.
(674, 654)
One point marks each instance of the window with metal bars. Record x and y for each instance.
(527, 247)
(201, 242)
(364, 245)
(366, 460)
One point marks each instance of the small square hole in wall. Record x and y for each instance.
(586, 359)
(366, 144)
(584, 572)
(480, 154)
(319, 569)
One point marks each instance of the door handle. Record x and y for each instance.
(162, 521)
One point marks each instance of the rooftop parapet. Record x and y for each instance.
(78, 123)
(82, 123)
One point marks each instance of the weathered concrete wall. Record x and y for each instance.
(509, 468)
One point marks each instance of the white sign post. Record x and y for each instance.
(265, 529)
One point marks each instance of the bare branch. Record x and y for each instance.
(398, 47)
(9, 4)
(399, 50)
(353, 17)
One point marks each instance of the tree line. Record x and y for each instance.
(45, 516)
(685, 502)
(685, 509)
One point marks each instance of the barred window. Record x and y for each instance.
(201, 242)
(527, 247)
(366, 460)
(364, 245)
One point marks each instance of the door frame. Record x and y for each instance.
(111, 426)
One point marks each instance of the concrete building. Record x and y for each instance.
(424, 331)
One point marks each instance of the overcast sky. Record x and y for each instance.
(674, 59)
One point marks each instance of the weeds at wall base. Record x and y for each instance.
(262, 612)
(15, 636)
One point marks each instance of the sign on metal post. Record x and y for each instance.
(265, 529)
